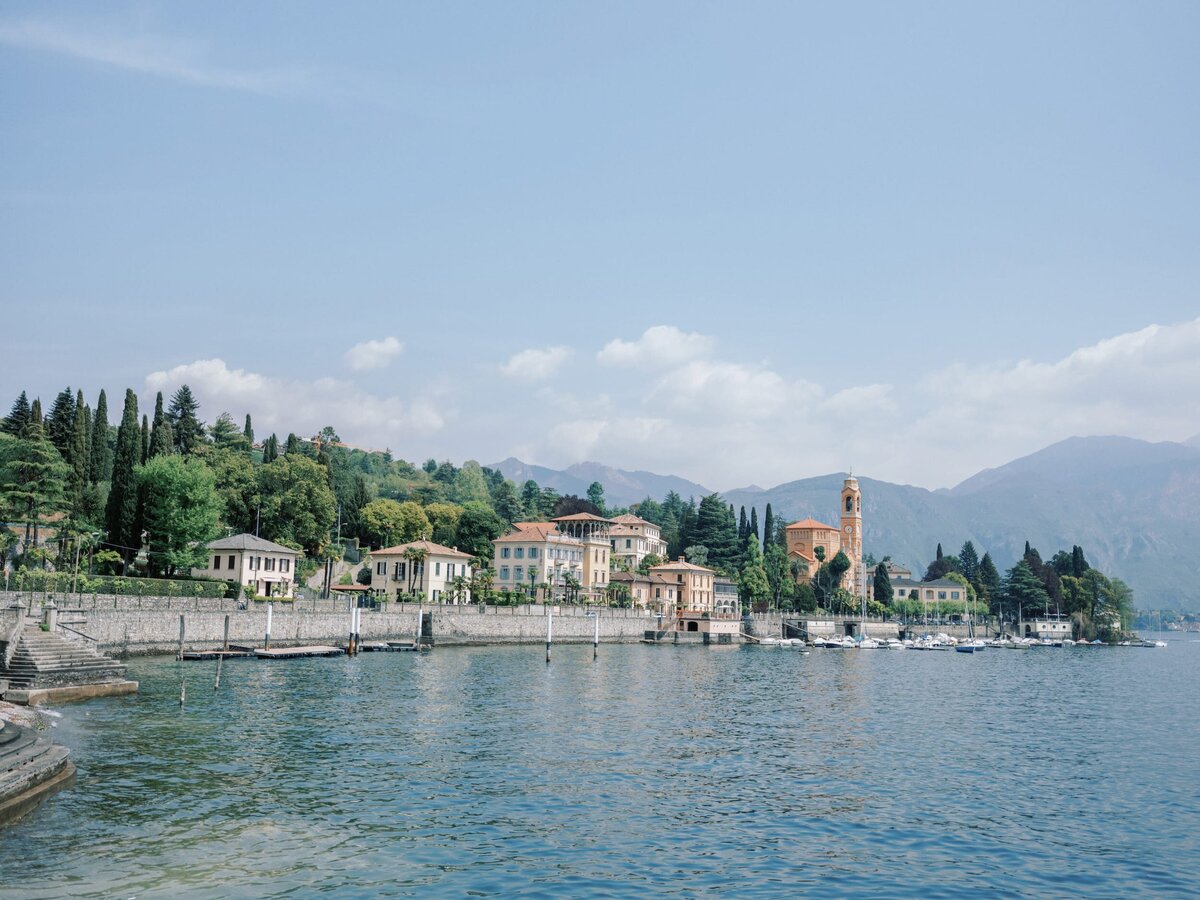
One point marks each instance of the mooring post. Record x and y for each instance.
(217, 683)
(267, 641)
(179, 655)
(549, 632)
(357, 624)
(225, 643)
(596, 639)
(350, 639)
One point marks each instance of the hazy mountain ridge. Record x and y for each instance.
(1134, 506)
(621, 486)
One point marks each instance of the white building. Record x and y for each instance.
(395, 571)
(261, 566)
(633, 539)
(537, 553)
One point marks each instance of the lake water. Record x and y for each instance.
(687, 771)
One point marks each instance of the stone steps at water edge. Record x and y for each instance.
(30, 768)
(42, 659)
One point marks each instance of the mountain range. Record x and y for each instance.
(1134, 506)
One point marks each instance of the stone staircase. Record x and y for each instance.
(31, 767)
(46, 660)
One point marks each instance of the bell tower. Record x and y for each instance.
(852, 531)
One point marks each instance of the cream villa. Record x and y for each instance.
(537, 553)
(263, 567)
(633, 539)
(421, 567)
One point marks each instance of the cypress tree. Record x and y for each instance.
(882, 587)
(19, 417)
(61, 424)
(743, 527)
(120, 514)
(939, 551)
(1079, 565)
(754, 521)
(35, 417)
(293, 444)
(768, 528)
(271, 449)
(185, 425)
(78, 457)
(248, 432)
(101, 460)
(145, 440)
(162, 440)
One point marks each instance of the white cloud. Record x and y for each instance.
(724, 423)
(286, 405)
(164, 57)
(373, 354)
(660, 346)
(534, 365)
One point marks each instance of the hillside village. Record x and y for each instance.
(215, 508)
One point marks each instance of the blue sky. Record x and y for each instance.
(737, 242)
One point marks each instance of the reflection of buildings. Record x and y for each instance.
(810, 540)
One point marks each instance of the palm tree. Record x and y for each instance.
(415, 556)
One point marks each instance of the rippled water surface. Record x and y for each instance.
(691, 771)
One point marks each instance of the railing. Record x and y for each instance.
(87, 637)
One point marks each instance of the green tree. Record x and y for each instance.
(716, 529)
(506, 503)
(61, 421)
(224, 433)
(991, 588)
(1024, 592)
(248, 432)
(298, 505)
(271, 449)
(477, 527)
(828, 577)
(144, 440)
(18, 417)
(882, 587)
(120, 514)
(237, 486)
(531, 499)
(443, 519)
(388, 523)
(968, 562)
(101, 458)
(181, 513)
(753, 585)
(33, 480)
(768, 528)
(754, 522)
(186, 426)
(470, 485)
(595, 495)
(162, 441)
(77, 457)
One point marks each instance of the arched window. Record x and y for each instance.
(849, 503)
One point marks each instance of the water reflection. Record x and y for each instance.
(655, 769)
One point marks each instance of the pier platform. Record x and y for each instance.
(299, 652)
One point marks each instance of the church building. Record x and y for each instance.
(812, 541)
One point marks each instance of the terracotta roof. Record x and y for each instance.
(680, 565)
(811, 523)
(428, 546)
(631, 519)
(581, 517)
(249, 542)
(637, 576)
(531, 531)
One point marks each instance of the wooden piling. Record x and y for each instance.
(549, 632)
(179, 655)
(225, 643)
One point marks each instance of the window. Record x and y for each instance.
(519, 553)
(504, 573)
(270, 566)
(941, 595)
(400, 567)
(436, 595)
(437, 568)
(381, 568)
(504, 551)
(230, 561)
(216, 562)
(285, 565)
(533, 552)
(628, 543)
(954, 595)
(518, 573)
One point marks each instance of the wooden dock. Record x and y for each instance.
(299, 652)
(217, 654)
(389, 647)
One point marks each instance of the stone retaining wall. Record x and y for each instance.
(134, 631)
